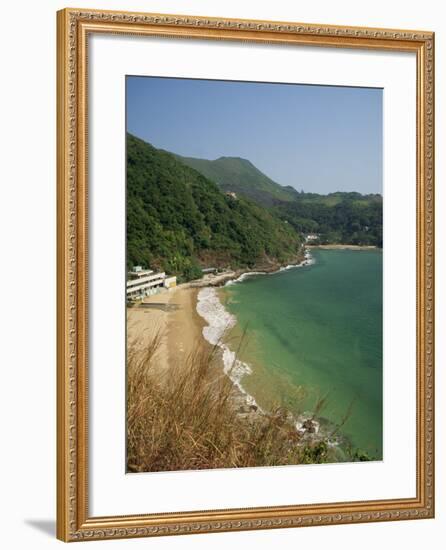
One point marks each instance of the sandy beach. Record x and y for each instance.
(173, 315)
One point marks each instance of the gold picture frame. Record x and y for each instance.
(73, 520)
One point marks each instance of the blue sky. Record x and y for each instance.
(317, 138)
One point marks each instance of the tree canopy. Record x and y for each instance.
(180, 221)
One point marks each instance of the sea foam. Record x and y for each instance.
(219, 322)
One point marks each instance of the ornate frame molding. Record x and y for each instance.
(73, 521)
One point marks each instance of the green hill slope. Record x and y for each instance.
(347, 218)
(241, 177)
(340, 217)
(179, 221)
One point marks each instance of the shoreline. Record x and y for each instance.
(343, 246)
(310, 428)
(186, 321)
(220, 322)
(192, 315)
(238, 275)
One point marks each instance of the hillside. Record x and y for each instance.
(347, 218)
(241, 177)
(340, 217)
(180, 221)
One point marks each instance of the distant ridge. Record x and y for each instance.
(240, 176)
(346, 217)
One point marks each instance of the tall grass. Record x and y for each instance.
(193, 417)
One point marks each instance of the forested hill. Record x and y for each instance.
(341, 217)
(347, 218)
(180, 221)
(240, 176)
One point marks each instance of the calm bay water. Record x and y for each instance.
(316, 331)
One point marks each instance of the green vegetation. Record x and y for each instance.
(347, 218)
(179, 221)
(237, 175)
(341, 217)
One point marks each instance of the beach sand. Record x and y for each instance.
(173, 315)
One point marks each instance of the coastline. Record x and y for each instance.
(234, 276)
(312, 428)
(192, 316)
(219, 322)
(343, 247)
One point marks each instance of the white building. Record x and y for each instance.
(312, 237)
(144, 282)
(170, 282)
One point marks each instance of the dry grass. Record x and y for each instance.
(190, 418)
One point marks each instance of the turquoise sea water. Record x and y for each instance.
(316, 331)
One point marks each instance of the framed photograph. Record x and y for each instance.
(245, 274)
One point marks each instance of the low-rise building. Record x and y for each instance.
(145, 282)
(312, 237)
(170, 282)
